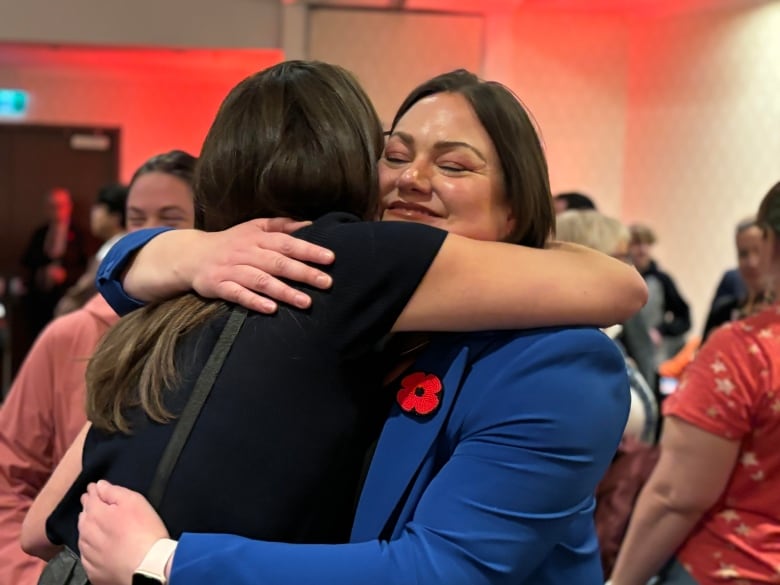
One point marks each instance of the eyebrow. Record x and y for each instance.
(441, 145)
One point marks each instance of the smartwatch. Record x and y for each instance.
(151, 571)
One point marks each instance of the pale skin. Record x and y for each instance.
(442, 170)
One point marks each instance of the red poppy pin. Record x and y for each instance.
(420, 393)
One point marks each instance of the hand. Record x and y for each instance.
(247, 259)
(117, 527)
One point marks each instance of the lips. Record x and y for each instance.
(405, 208)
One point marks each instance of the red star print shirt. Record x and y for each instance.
(732, 389)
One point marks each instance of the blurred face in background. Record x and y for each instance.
(103, 223)
(640, 254)
(750, 242)
(157, 199)
(59, 206)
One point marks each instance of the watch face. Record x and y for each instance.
(141, 579)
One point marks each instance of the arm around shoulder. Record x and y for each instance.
(474, 285)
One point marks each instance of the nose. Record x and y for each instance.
(415, 179)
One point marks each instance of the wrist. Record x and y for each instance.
(184, 266)
(155, 568)
(163, 266)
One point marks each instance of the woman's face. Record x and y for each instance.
(440, 167)
(750, 242)
(158, 199)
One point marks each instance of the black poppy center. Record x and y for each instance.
(419, 391)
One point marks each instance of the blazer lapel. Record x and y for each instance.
(406, 442)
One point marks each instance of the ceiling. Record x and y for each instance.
(484, 6)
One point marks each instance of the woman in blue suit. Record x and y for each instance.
(486, 465)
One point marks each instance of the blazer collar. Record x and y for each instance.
(406, 442)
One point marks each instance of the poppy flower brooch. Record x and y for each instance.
(420, 393)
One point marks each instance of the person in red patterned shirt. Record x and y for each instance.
(712, 504)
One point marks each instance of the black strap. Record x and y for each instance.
(194, 405)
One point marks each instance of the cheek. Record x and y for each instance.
(387, 179)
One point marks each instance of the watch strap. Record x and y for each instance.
(153, 564)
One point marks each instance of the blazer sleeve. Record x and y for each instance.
(109, 275)
(528, 456)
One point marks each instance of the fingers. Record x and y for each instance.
(281, 224)
(244, 284)
(295, 248)
(106, 491)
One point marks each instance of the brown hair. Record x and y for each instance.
(769, 210)
(642, 234)
(523, 164)
(299, 139)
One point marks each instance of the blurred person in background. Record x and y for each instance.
(572, 200)
(712, 504)
(609, 236)
(45, 407)
(54, 259)
(666, 313)
(107, 224)
(750, 297)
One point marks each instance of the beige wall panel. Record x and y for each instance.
(570, 70)
(391, 52)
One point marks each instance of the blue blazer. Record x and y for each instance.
(493, 487)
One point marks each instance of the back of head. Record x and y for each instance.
(114, 197)
(575, 200)
(299, 139)
(592, 229)
(523, 164)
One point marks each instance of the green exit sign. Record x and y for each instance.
(13, 102)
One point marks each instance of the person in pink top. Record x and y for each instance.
(712, 504)
(44, 410)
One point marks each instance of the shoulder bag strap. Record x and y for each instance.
(194, 405)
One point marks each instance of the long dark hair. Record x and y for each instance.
(299, 139)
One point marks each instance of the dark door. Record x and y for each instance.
(33, 160)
